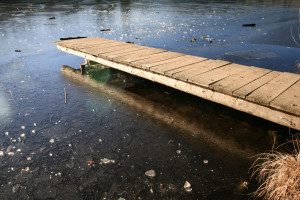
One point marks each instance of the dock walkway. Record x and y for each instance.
(271, 95)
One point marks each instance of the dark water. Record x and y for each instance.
(53, 150)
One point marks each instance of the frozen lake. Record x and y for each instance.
(115, 127)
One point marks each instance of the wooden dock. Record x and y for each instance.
(271, 95)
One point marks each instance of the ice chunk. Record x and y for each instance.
(150, 173)
(253, 54)
(187, 186)
(107, 161)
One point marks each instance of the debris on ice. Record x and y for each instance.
(187, 186)
(150, 173)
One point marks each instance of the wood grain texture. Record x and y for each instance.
(156, 59)
(129, 50)
(178, 63)
(210, 77)
(268, 92)
(251, 87)
(236, 81)
(139, 55)
(184, 73)
(289, 100)
(101, 49)
(83, 42)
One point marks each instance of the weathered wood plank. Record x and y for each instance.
(180, 62)
(185, 73)
(234, 82)
(156, 59)
(95, 42)
(218, 74)
(142, 54)
(268, 92)
(92, 48)
(85, 46)
(123, 49)
(247, 89)
(171, 60)
(112, 55)
(106, 48)
(82, 42)
(61, 42)
(289, 100)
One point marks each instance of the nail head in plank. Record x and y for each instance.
(268, 92)
(289, 100)
(247, 89)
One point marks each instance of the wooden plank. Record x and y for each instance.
(87, 45)
(268, 92)
(142, 54)
(180, 62)
(84, 39)
(97, 46)
(112, 55)
(119, 48)
(156, 59)
(82, 42)
(106, 48)
(210, 77)
(62, 42)
(247, 89)
(289, 100)
(148, 66)
(95, 43)
(185, 73)
(234, 82)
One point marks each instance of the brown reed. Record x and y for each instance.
(279, 174)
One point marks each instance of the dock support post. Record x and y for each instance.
(82, 66)
(87, 61)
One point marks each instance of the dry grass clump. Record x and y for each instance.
(279, 175)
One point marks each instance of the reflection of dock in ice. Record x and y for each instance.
(261, 92)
